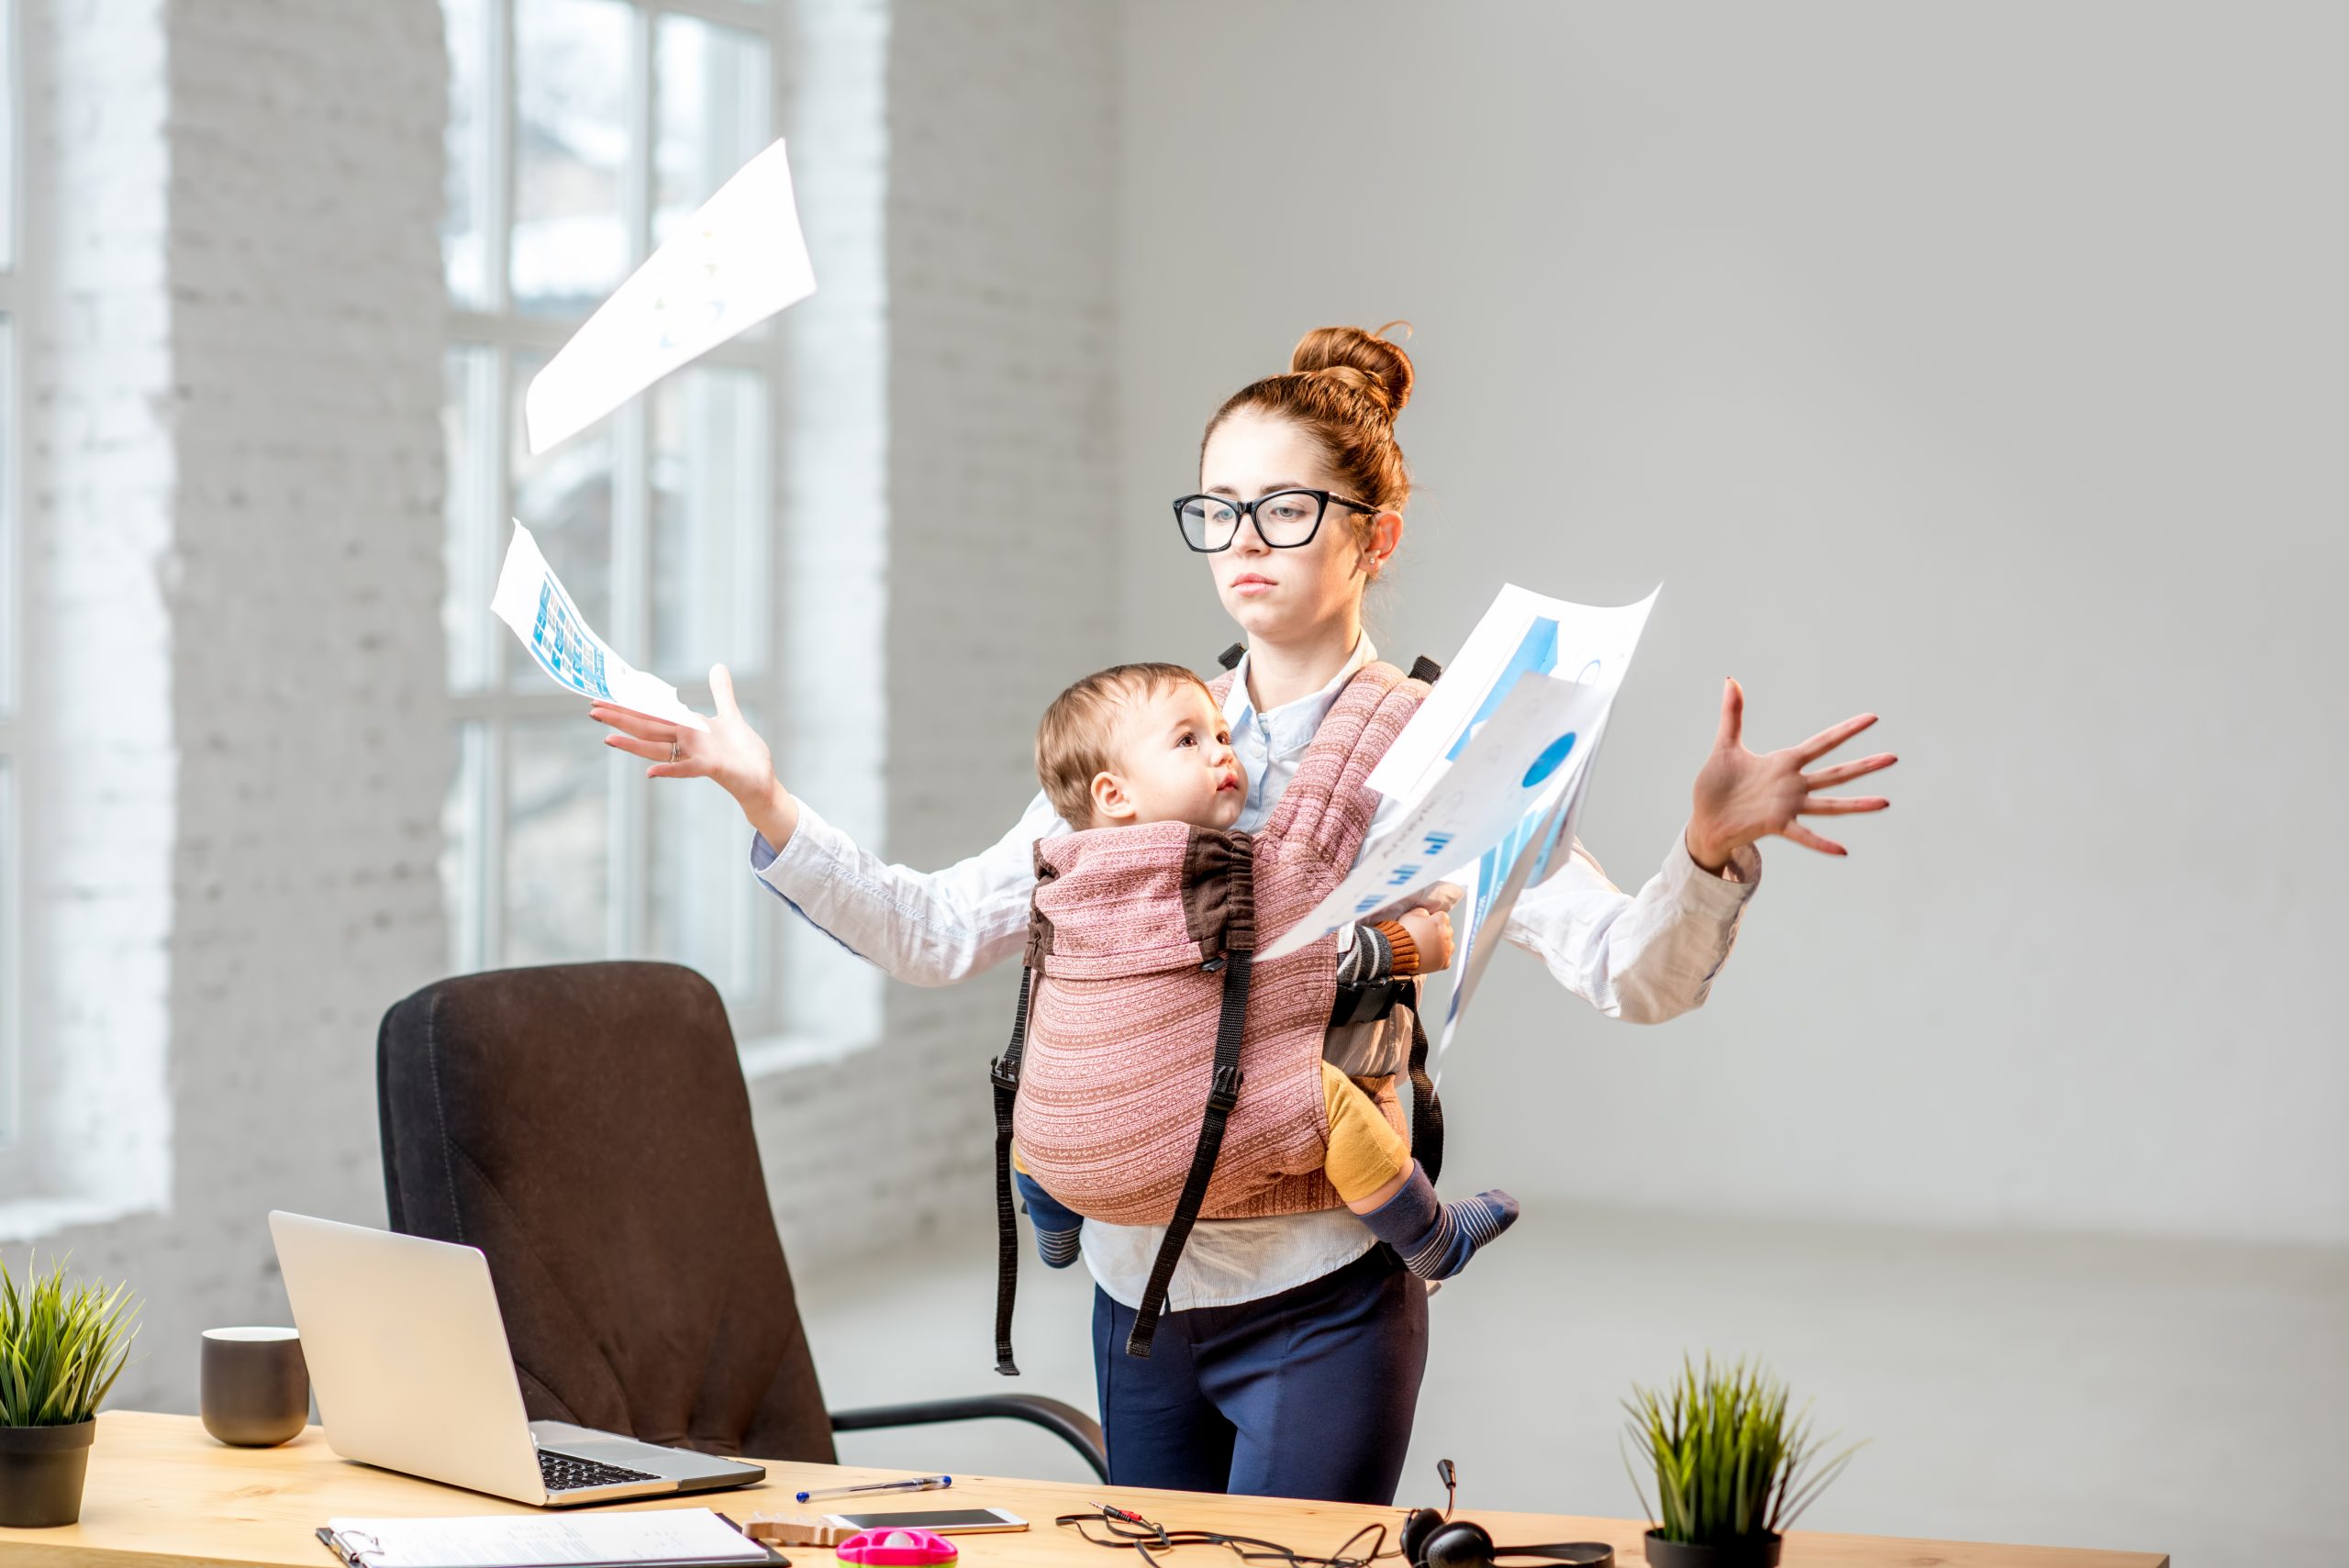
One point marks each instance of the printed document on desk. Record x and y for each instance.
(531, 599)
(531, 1541)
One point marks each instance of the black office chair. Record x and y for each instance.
(587, 1127)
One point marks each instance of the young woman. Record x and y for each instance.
(1289, 1359)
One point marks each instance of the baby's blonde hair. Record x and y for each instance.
(1073, 742)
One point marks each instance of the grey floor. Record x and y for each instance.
(2158, 1396)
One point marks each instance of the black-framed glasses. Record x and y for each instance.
(1284, 520)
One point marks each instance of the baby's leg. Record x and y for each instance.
(1056, 1227)
(1371, 1166)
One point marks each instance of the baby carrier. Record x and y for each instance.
(1140, 1000)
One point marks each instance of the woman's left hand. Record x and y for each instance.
(1740, 796)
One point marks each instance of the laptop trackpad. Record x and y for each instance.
(610, 1448)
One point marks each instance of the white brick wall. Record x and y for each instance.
(99, 757)
(240, 738)
(239, 729)
(1000, 313)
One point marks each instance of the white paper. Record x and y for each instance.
(531, 599)
(738, 261)
(495, 1540)
(1523, 633)
(1519, 759)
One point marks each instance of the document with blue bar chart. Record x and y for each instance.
(531, 599)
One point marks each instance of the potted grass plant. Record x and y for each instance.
(60, 1349)
(1734, 1467)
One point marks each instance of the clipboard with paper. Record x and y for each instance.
(662, 1537)
(1495, 766)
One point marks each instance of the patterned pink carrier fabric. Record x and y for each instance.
(1122, 1023)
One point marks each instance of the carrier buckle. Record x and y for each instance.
(1225, 1093)
(1003, 1078)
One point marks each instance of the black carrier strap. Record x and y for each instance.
(1426, 669)
(1224, 1093)
(1427, 1111)
(1003, 1074)
(1230, 658)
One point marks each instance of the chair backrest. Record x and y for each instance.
(586, 1127)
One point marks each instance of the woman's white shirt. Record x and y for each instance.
(1643, 958)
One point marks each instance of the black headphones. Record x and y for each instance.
(1438, 1540)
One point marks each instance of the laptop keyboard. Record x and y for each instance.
(569, 1472)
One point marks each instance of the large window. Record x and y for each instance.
(11, 620)
(580, 131)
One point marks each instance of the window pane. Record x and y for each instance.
(464, 816)
(472, 538)
(570, 149)
(465, 211)
(701, 909)
(9, 98)
(558, 833)
(7, 956)
(711, 515)
(7, 514)
(712, 91)
(565, 497)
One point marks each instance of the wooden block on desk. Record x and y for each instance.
(793, 1529)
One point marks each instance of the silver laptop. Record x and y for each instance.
(409, 1360)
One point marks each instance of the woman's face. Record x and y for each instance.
(1286, 596)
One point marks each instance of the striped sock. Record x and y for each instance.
(1056, 1227)
(1437, 1238)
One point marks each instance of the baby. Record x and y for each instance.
(1145, 743)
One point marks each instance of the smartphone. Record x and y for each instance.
(939, 1521)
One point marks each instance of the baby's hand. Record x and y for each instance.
(1431, 934)
(1437, 897)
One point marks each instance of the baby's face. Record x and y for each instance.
(1173, 763)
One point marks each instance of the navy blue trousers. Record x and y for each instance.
(1307, 1393)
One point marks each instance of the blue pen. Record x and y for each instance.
(918, 1483)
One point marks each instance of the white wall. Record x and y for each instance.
(1977, 366)
(239, 730)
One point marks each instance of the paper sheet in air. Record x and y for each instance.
(661, 1535)
(738, 261)
(531, 599)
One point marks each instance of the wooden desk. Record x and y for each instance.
(162, 1494)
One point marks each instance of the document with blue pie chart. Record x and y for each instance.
(1495, 783)
(1519, 759)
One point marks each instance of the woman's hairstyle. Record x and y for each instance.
(1344, 387)
(1073, 743)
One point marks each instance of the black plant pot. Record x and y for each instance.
(41, 1474)
(1753, 1552)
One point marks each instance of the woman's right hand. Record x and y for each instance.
(729, 751)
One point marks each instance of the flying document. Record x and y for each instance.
(531, 599)
(737, 262)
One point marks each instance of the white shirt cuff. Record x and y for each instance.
(1724, 891)
(805, 858)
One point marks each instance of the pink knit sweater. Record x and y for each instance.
(1122, 1023)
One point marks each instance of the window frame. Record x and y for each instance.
(483, 717)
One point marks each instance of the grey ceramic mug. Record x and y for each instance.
(254, 1388)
